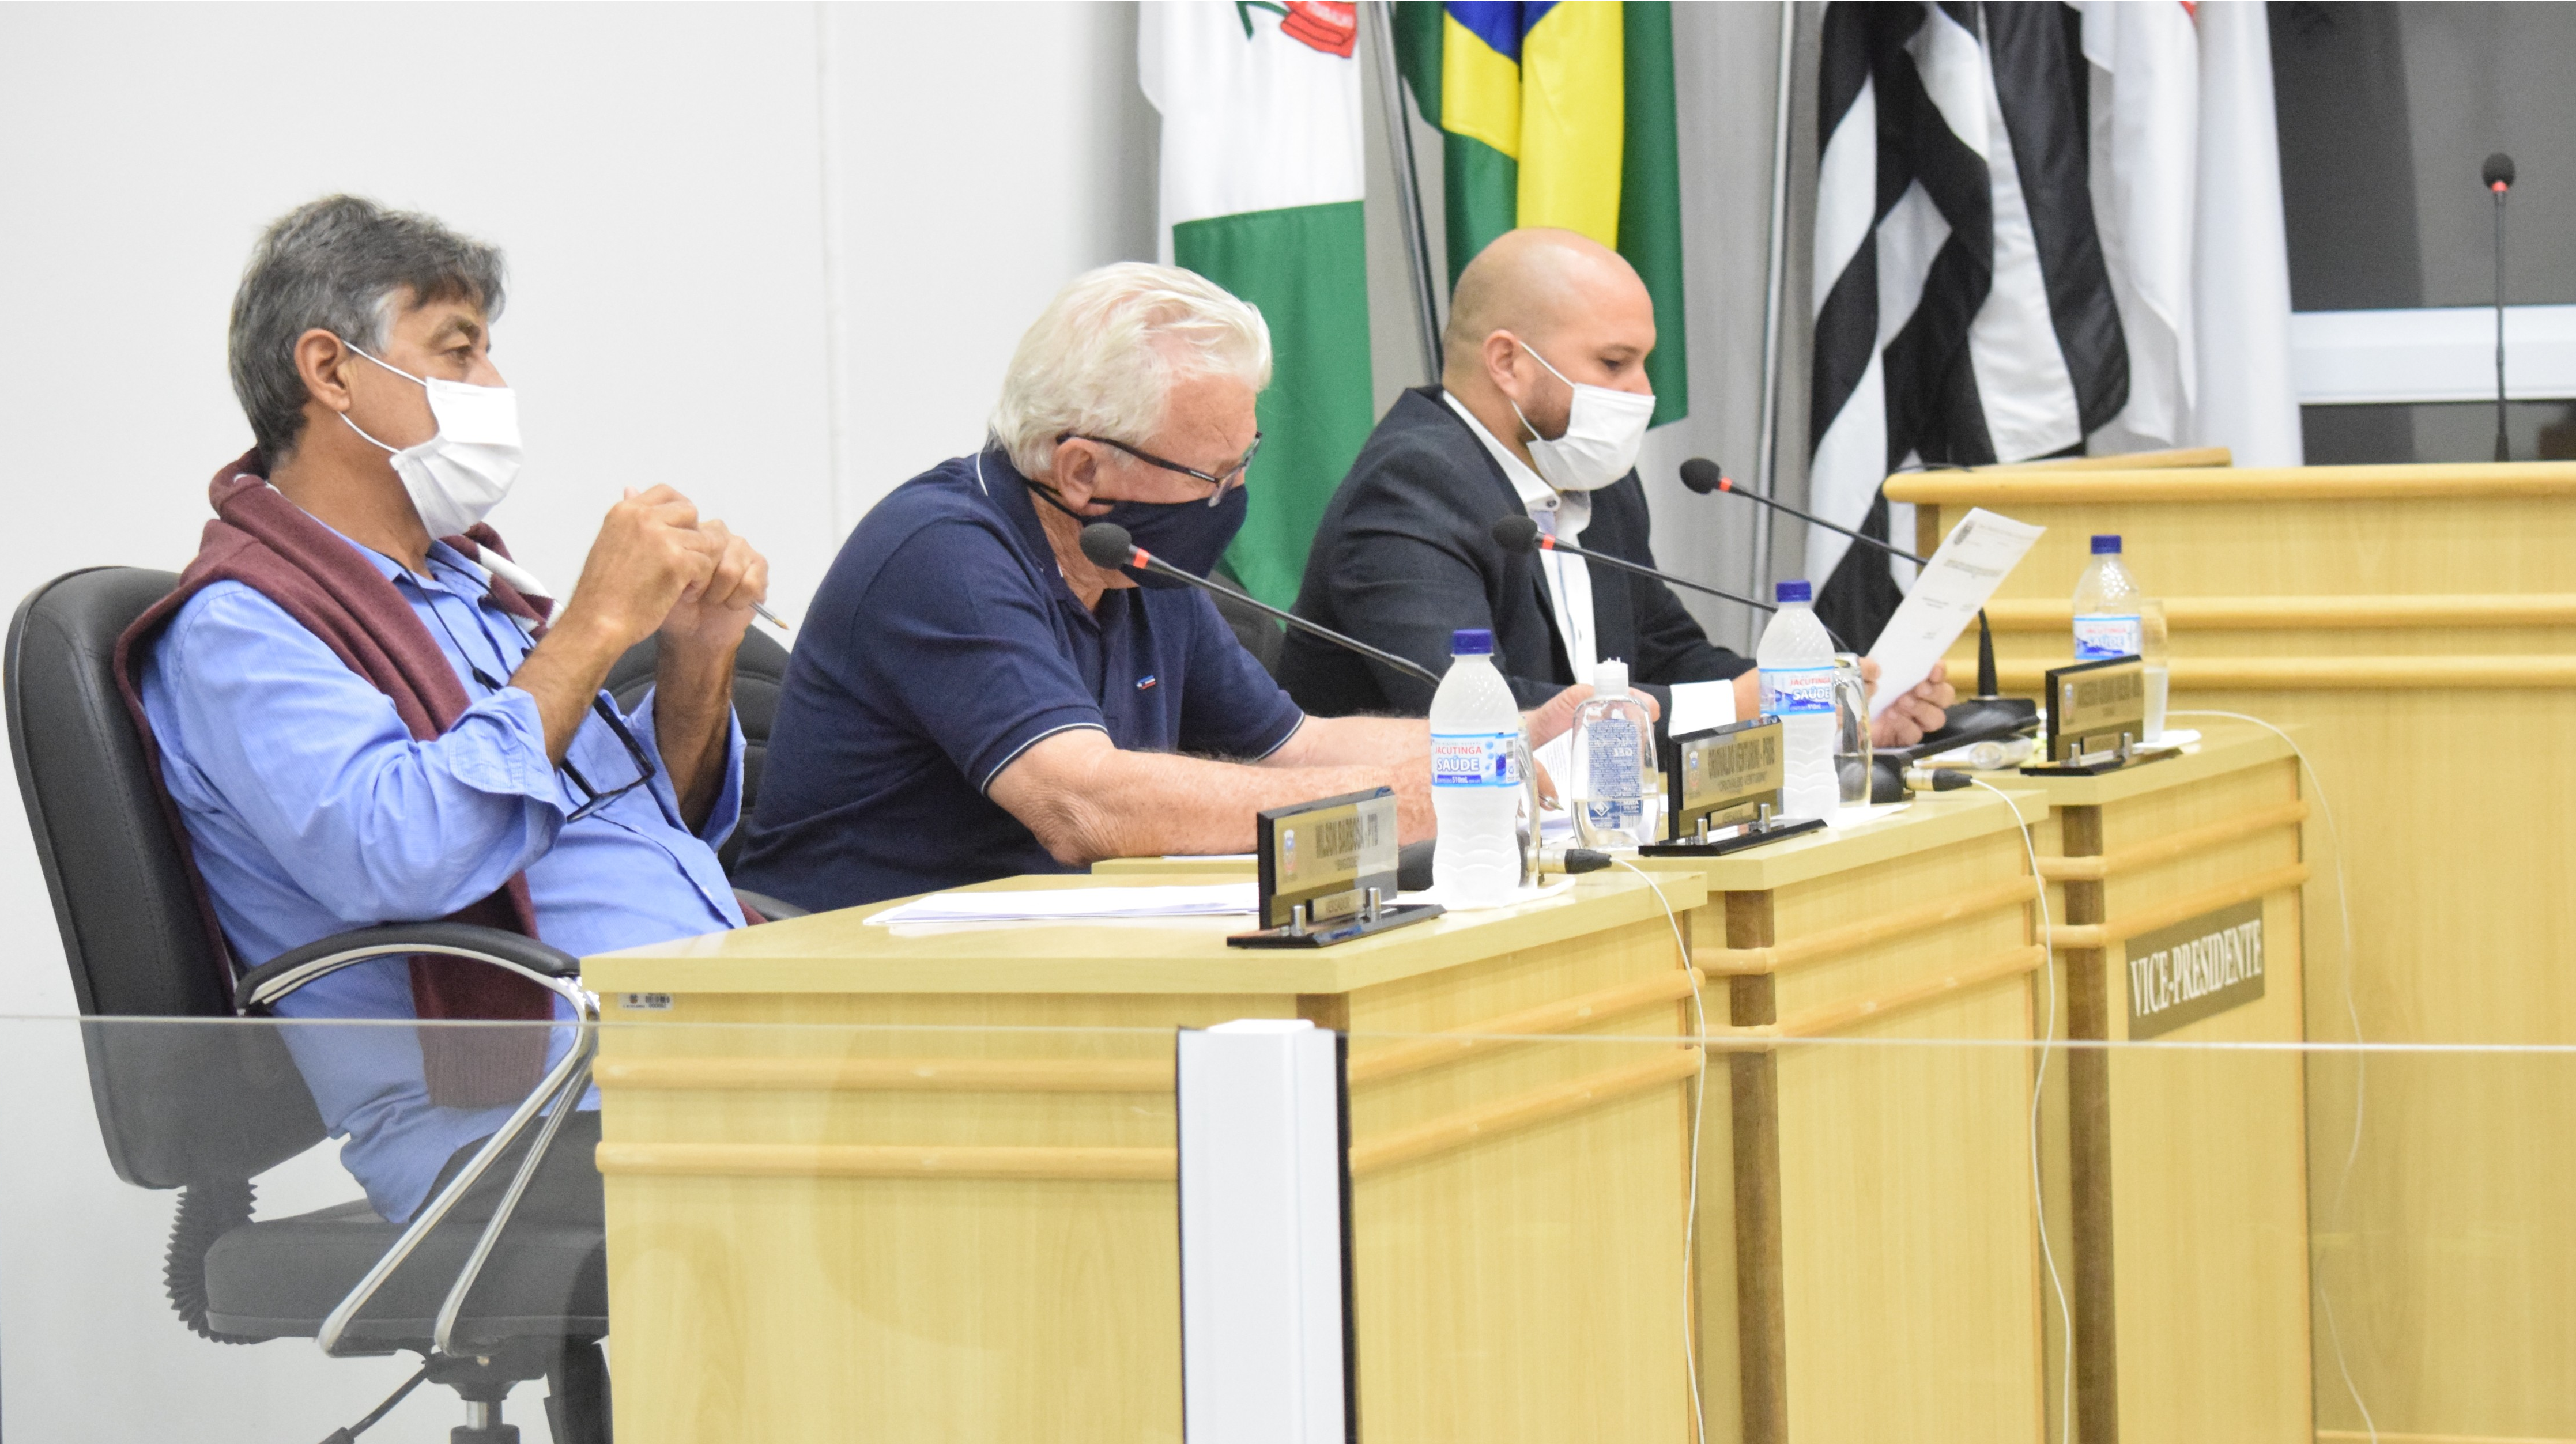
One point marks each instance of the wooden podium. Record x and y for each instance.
(2178, 1180)
(943, 1207)
(1868, 1261)
(2415, 623)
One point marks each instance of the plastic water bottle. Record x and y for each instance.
(1797, 662)
(1614, 777)
(2114, 617)
(1475, 776)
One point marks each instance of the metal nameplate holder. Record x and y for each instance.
(1726, 785)
(2097, 714)
(1328, 873)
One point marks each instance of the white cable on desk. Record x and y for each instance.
(2352, 1010)
(2038, 1083)
(1699, 1099)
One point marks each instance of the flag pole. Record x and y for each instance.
(1767, 458)
(1408, 191)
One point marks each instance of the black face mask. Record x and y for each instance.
(1190, 535)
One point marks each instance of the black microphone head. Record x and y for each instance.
(1516, 534)
(1107, 544)
(1703, 475)
(2499, 170)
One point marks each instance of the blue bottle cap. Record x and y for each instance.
(1471, 642)
(1793, 592)
(2106, 546)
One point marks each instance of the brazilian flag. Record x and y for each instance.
(1559, 115)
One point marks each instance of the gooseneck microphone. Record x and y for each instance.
(1107, 544)
(1519, 536)
(1987, 714)
(2498, 175)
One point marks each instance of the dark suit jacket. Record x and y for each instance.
(1405, 555)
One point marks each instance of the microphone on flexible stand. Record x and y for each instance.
(1988, 714)
(2498, 175)
(1519, 536)
(1107, 544)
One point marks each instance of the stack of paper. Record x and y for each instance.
(1221, 899)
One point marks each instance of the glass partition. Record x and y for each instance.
(781, 1230)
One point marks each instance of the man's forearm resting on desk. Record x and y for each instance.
(1087, 800)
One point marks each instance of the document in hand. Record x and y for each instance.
(1223, 899)
(1973, 560)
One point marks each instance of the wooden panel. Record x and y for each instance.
(1526, 1281)
(1903, 1187)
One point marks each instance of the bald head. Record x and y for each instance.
(1536, 310)
(1533, 283)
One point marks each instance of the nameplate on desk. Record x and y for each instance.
(1327, 871)
(1726, 786)
(1326, 855)
(2195, 969)
(2092, 705)
(1725, 774)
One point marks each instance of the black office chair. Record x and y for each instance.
(205, 1107)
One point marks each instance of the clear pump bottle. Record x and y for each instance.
(1614, 787)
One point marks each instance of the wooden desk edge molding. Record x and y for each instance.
(2531, 480)
(2085, 937)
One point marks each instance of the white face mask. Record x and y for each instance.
(457, 476)
(1603, 429)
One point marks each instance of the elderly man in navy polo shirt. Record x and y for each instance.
(971, 698)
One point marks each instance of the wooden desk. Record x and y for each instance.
(2417, 624)
(1867, 1232)
(2178, 1181)
(865, 1231)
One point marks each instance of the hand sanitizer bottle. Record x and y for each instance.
(1613, 765)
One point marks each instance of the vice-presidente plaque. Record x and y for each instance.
(1327, 872)
(2097, 719)
(1725, 788)
(2187, 972)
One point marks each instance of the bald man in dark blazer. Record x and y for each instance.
(1405, 553)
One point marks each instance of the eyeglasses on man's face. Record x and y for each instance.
(1221, 480)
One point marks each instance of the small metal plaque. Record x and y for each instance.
(1725, 774)
(2092, 704)
(1327, 854)
(2187, 972)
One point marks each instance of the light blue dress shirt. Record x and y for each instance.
(313, 810)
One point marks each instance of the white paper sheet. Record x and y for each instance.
(1973, 560)
(1222, 899)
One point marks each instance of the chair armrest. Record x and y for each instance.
(776, 909)
(549, 967)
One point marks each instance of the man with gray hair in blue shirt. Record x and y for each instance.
(363, 712)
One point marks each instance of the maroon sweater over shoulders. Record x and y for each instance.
(269, 544)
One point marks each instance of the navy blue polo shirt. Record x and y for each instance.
(942, 645)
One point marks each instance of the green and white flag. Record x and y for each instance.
(1261, 187)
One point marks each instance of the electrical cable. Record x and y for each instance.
(2038, 1084)
(1699, 1100)
(2352, 1011)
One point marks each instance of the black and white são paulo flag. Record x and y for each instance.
(1963, 311)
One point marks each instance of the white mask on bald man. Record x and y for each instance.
(1603, 429)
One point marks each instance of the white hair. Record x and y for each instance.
(1103, 356)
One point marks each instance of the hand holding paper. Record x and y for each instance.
(1973, 560)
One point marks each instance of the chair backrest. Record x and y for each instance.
(176, 1105)
(759, 671)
